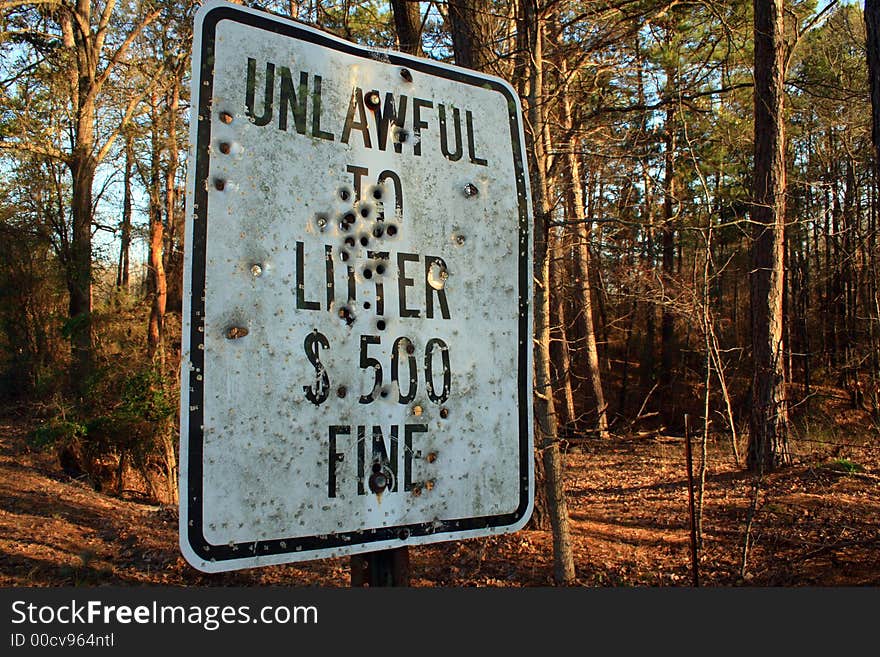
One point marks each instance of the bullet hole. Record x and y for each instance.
(410, 348)
(226, 117)
(256, 270)
(219, 184)
(380, 269)
(345, 194)
(343, 255)
(346, 314)
(429, 485)
(403, 534)
(437, 275)
(378, 482)
(400, 135)
(417, 410)
(372, 100)
(416, 491)
(470, 190)
(377, 467)
(444, 413)
(364, 240)
(431, 457)
(341, 392)
(365, 211)
(378, 231)
(377, 193)
(368, 273)
(349, 217)
(406, 74)
(367, 305)
(321, 221)
(349, 241)
(236, 332)
(459, 239)
(391, 230)
(383, 393)
(380, 325)
(225, 147)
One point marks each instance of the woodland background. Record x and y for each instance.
(706, 202)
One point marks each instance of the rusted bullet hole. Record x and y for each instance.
(377, 467)
(391, 230)
(372, 100)
(343, 255)
(219, 184)
(378, 231)
(364, 240)
(416, 491)
(444, 413)
(406, 74)
(367, 305)
(346, 314)
(380, 269)
(225, 147)
(368, 273)
(236, 332)
(459, 239)
(470, 190)
(417, 410)
(349, 241)
(341, 392)
(429, 485)
(403, 534)
(226, 117)
(431, 457)
(380, 325)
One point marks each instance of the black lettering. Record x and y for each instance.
(403, 282)
(430, 291)
(328, 271)
(301, 303)
(358, 173)
(418, 124)
(316, 113)
(390, 116)
(408, 431)
(444, 140)
(469, 120)
(288, 98)
(380, 286)
(334, 457)
(356, 105)
(250, 92)
(408, 347)
(368, 361)
(321, 390)
(352, 285)
(361, 449)
(429, 370)
(381, 455)
(398, 191)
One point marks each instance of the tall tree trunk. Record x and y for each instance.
(471, 26)
(408, 24)
(577, 213)
(768, 437)
(122, 273)
(158, 284)
(545, 412)
(667, 319)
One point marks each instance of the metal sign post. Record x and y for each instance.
(357, 323)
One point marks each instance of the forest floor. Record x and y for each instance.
(815, 523)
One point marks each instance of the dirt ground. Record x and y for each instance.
(816, 523)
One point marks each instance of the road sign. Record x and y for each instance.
(357, 326)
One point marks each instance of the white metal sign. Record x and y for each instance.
(357, 325)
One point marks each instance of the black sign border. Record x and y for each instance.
(195, 476)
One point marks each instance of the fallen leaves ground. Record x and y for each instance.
(814, 523)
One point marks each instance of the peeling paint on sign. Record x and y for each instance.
(357, 339)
